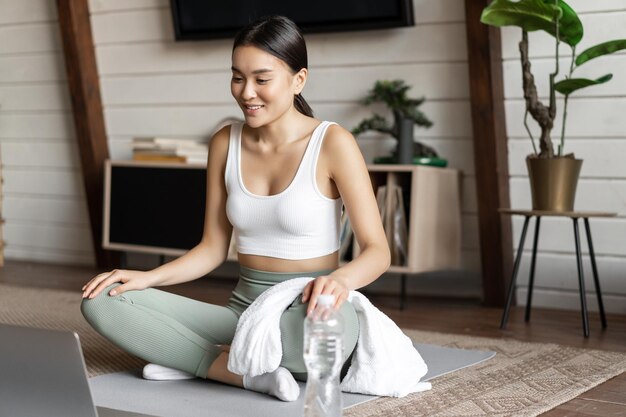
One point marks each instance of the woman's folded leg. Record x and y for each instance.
(163, 328)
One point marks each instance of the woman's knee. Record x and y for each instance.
(97, 309)
(292, 333)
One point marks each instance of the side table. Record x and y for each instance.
(574, 215)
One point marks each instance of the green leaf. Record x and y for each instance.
(532, 15)
(376, 122)
(570, 85)
(600, 49)
(571, 28)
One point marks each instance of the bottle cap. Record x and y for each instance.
(326, 300)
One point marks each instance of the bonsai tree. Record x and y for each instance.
(394, 95)
(558, 19)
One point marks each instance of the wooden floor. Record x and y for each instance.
(448, 316)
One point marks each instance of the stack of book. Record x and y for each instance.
(170, 150)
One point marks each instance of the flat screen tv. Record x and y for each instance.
(211, 19)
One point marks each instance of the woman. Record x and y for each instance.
(280, 180)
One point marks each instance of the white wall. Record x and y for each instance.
(44, 204)
(596, 132)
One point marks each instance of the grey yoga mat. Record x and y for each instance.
(198, 397)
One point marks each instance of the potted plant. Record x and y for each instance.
(406, 114)
(553, 174)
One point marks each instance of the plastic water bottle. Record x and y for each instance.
(323, 354)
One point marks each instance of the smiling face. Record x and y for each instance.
(263, 85)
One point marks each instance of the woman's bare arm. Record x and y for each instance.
(348, 170)
(213, 248)
(200, 260)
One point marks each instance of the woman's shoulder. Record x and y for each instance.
(339, 149)
(218, 146)
(337, 138)
(221, 137)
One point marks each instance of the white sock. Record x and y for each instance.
(162, 373)
(279, 383)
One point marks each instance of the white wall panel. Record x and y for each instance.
(36, 97)
(586, 117)
(27, 11)
(43, 200)
(598, 155)
(132, 26)
(108, 6)
(40, 154)
(31, 68)
(429, 43)
(435, 81)
(611, 64)
(50, 255)
(557, 235)
(120, 148)
(585, 6)
(440, 11)
(42, 182)
(451, 119)
(30, 38)
(33, 125)
(196, 88)
(47, 236)
(426, 11)
(559, 272)
(37, 208)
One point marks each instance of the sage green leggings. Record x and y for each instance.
(186, 334)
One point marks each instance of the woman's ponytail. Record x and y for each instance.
(302, 106)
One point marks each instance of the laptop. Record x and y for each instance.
(43, 374)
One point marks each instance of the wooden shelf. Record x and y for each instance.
(432, 212)
(142, 198)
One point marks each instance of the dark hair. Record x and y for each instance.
(279, 36)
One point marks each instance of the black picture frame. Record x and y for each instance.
(322, 22)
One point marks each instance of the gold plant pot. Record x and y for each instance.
(553, 182)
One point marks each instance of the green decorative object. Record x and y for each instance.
(417, 160)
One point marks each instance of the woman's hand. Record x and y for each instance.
(131, 280)
(324, 284)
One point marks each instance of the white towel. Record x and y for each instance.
(385, 361)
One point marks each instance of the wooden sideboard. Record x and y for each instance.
(159, 208)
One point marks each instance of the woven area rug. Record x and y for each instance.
(524, 379)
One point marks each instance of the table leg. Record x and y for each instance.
(518, 257)
(581, 279)
(594, 268)
(531, 281)
(402, 291)
(123, 260)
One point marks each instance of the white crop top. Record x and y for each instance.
(297, 223)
